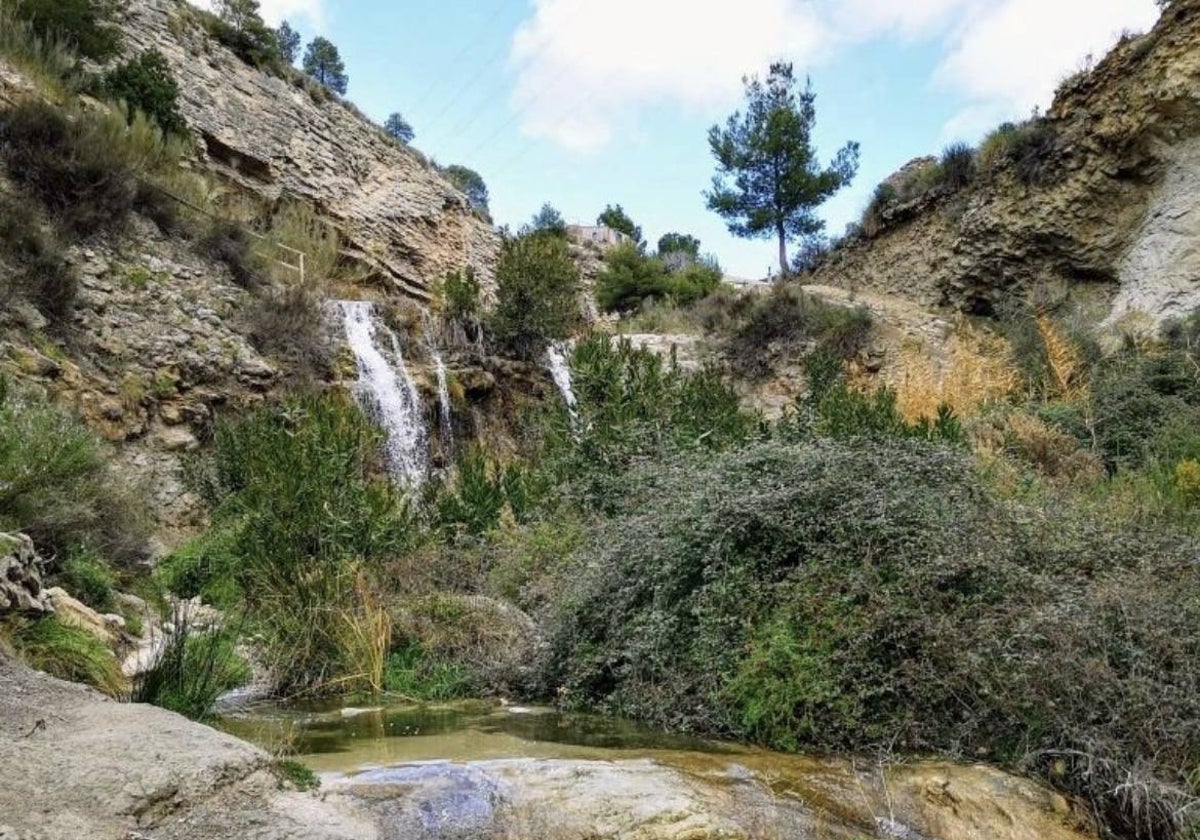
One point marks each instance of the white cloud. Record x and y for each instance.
(585, 68)
(1010, 56)
(276, 11)
(584, 64)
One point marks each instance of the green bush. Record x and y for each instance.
(84, 165)
(632, 406)
(80, 23)
(56, 486)
(873, 220)
(89, 579)
(145, 84)
(253, 41)
(870, 594)
(304, 514)
(632, 279)
(67, 653)
(481, 492)
(537, 288)
(957, 167)
(787, 321)
(1146, 408)
(46, 59)
(1029, 148)
(42, 275)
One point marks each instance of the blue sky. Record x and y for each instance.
(582, 104)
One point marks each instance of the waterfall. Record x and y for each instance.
(387, 391)
(560, 369)
(445, 420)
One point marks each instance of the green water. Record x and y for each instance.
(344, 740)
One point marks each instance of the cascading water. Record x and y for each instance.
(557, 355)
(387, 391)
(445, 420)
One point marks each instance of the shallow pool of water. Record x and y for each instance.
(344, 740)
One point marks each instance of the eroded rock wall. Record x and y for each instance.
(1119, 206)
(397, 215)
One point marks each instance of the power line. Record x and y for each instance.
(480, 36)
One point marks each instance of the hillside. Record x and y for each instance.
(1102, 192)
(278, 137)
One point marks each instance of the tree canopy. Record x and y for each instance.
(679, 243)
(617, 219)
(288, 40)
(399, 128)
(769, 181)
(548, 220)
(471, 184)
(324, 64)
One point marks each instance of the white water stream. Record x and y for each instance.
(558, 356)
(387, 391)
(445, 419)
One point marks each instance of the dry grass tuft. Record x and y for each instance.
(1067, 367)
(977, 371)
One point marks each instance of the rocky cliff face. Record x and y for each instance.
(397, 215)
(1119, 204)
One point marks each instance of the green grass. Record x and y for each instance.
(193, 669)
(296, 774)
(412, 674)
(67, 653)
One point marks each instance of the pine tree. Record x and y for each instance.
(399, 128)
(324, 64)
(769, 181)
(288, 40)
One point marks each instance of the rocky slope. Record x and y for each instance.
(397, 215)
(1118, 204)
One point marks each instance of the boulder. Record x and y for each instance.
(21, 577)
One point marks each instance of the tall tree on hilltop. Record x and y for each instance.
(617, 219)
(323, 63)
(399, 128)
(288, 40)
(769, 181)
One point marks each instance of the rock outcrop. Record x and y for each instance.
(1117, 203)
(274, 137)
(21, 589)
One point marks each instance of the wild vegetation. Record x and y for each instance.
(996, 561)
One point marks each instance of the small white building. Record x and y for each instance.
(600, 235)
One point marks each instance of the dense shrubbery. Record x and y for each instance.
(634, 406)
(55, 484)
(302, 519)
(632, 278)
(79, 23)
(850, 595)
(145, 84)
(537, 287)
(787, 320)
(84, 166)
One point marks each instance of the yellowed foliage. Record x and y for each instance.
(976, 370)
(1067, 367)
